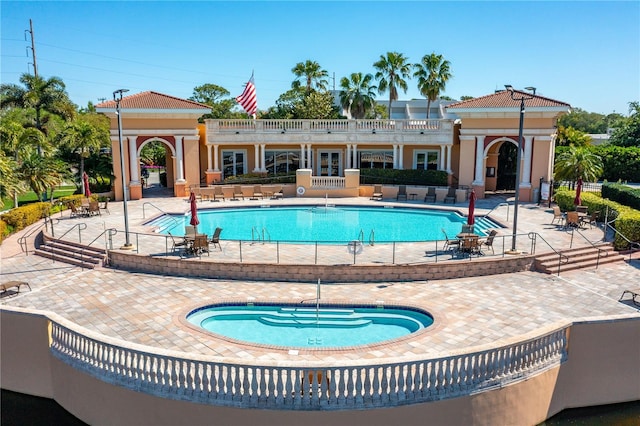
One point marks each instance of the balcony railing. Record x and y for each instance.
(327, 126)
(317, 385)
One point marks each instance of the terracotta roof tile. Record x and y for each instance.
(503, 99)
(153, 100)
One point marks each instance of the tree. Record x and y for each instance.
(215, 97)
(41, 172)
(583, 121)
(10, 184)
(358, 94)
(578, 163)
(393, 69)
(570, 136)
(41, 95)
(313, 75)
(433, 72)
(628, 134)
(316, 106)
(465, 97)
(82, 138)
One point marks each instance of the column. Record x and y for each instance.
(354, 156)
(209, 169)
(479, 179)
(303, 160)
(449, 158)
(263, 160)
(526, 169)
(216, 161)
(347, 157)
(401, 157)
(256, 157)
(309, 159)
(441, 166)
(395, 156)
(133, 160)
(179, 160)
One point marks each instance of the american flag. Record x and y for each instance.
(248, 100)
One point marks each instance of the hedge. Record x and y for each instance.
(404, 177)
(627, 222)
(623, 194)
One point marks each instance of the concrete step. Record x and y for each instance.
(579, 258)
(58, 257)
(71, 252)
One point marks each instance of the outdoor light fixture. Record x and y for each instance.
(117, 96)
(522, 97)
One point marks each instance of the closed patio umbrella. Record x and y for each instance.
(194, 212)
(471, 220)
(85, 183)
(578, 201)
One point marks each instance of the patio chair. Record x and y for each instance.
(215, 239)
(177, 244)
(218, 193)
(189, 231)
(557, 215)
(450, 244)
(582, 209)
(488, 242)
(467, 229)
(430, 197)
(591, 220)
(257, 193)
(94, 209)
(573, 220)
(104, 205)
(237, 192)
(377, 193)
(200, 245)
(75, 212)
(402, 193)
(451, 196)
(471, 245)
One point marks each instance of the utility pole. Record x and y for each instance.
(33, 49)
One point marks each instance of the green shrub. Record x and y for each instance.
(24, 216)
(4, 230)
(627, 222)
(623, 194)
(404, 177)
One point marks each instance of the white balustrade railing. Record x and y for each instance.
(308, 386)
(327, 182)
(336, 125)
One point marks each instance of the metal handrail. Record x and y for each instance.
(372, 237)
(110, 232)
(22, 241)
(533, 236)
(499, 205)
(268, 235)
(255, 235)
(159, 209)
(81, 227)
(573, 230)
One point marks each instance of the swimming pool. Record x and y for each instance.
(326, 224)
(305, 326)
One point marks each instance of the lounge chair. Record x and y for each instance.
(451, 196)
(557, 215)
(402, 193)
(450, 244)
(377, 193)
(218, 193)
(634, 293)
(430, 197)
(488, 242)
(257, 193)
(177, 244)
(215, 239)
(5, 287)
(237, 193)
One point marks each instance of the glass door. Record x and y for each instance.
(329, 163)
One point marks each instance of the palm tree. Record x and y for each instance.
(41, 95)
(578, 163)
(433, 72)
(392, 72)
(41, 173)
(10, 184)
(312, 73)
(358, 94)
(81, 138)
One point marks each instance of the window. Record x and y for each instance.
(281, 162)
(375, 159)
(233, 163)
(426, 160)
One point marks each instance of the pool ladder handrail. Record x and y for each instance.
(260, 236)
(372, 237)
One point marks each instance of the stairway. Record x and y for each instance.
(72, 253)
(578, 258)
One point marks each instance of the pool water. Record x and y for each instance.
(304, 326)
(326, 224)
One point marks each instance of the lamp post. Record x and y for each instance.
(117, 96)
(522, 97)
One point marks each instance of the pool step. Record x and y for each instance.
(311, 322)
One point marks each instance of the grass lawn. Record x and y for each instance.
(30, 197)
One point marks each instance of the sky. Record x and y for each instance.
(585, 53)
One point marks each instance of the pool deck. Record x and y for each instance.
(469, 313)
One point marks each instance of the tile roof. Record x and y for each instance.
(153, 100)
(502, 99)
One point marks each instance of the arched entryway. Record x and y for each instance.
(156, 167)
(506, 167)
